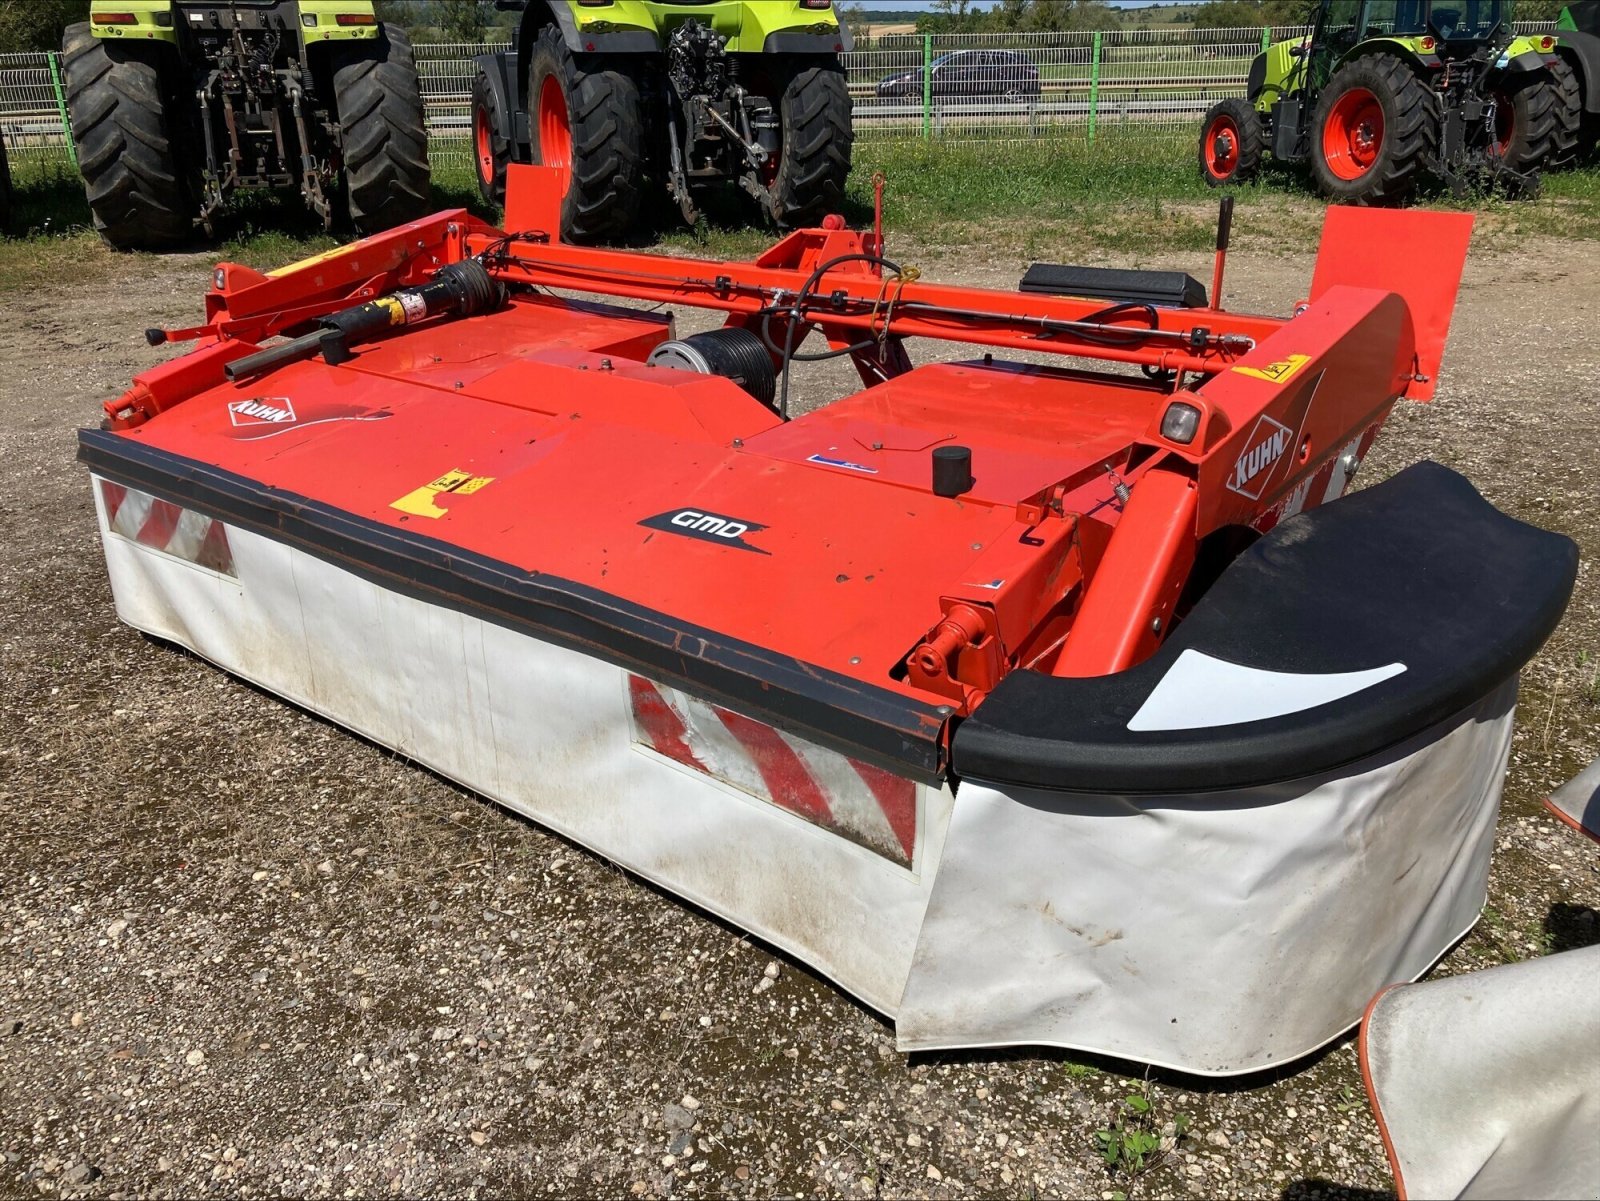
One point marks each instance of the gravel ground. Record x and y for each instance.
(243, 952)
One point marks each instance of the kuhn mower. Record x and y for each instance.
(1059, 702)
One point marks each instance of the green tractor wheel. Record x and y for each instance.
(807, 180)
(1231, 143)
(1375, 126)
(1527, 126)
(1568, 113)
(588, 120)
(5, 188)
(491, 149)
(139, 190)
(385, 140)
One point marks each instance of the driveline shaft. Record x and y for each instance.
(463, 288)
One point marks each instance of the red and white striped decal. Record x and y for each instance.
(166, 527)
(869, 806)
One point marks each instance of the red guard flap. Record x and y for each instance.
(533, 199)
(1418, 255)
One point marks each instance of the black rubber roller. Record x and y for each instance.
(731, 352)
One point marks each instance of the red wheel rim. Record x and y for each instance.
(1505, 124)
(555, 133)
(483, 145)
(1352, 138)
(1222, 147)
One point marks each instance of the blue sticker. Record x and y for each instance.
(845, 463)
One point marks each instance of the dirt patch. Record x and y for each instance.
(244, 952)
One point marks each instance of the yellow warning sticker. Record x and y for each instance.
(1277, 373)
(420, 501)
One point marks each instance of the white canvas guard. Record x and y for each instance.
(1488, 1085)
(1577, 802)
(1215, 934)
(1219, 933)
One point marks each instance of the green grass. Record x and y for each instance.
(1129, 194)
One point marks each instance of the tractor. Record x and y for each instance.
(1577, 72)
(177, 104)
(1386, 92)
(626, 95)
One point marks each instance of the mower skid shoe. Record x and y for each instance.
(1219, 855)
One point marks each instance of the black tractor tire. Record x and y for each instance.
(814, 116)
(385, 140)
(1589, 139)
(5, 188)
(491, 149)
(1407, 140)
(1232, 141)
(133, 174)
(1569, 115)
(605, 132)
(1535, 119)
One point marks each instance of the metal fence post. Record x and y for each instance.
(1094, 86)
(61, 109)
(927, 86)
(1266, 38)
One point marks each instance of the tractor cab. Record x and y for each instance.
(1446, 30)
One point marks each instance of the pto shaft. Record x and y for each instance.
(463, 288)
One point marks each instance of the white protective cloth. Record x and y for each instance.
(1215, 934)
(1577, 802)
(1488, 1085)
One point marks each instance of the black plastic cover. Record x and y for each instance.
(1165, 289)
(1419, 570)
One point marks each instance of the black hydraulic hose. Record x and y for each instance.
(796, 315)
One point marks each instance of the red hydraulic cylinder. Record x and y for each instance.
(1137, 583)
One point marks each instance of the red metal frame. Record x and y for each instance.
(1069, 554)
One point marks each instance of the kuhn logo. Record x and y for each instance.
(1253, 468)
(262, 410)
(708, 527)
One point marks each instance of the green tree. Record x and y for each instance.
(1539, 10)
(1049, 16)
(463, 20)
(950, 16)
(404, 13)
(37, 24)
(858, 21)
(1235, 14)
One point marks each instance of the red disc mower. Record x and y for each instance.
(1060, 699)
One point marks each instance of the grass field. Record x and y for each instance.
(1123, 195)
